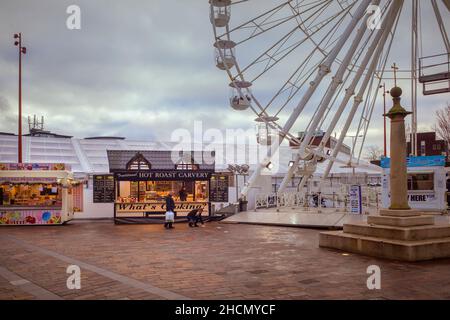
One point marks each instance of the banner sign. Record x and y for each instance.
(27, 217)
(28, 179)
(143, 207)
(163, 175)
(34, 166)
(421, 197)
(355, 199)
(421, 161)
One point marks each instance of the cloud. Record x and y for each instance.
(141, 69)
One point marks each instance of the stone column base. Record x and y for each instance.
(406, 235)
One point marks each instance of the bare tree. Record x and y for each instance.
(373, 153)
(442, 126)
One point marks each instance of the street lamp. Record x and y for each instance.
(237, 170)
(22, 50)
(384, 115)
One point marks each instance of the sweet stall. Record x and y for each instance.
(36, 194)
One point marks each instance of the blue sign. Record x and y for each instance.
(422, 161)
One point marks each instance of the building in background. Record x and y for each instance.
(88, 160)
(428, 145)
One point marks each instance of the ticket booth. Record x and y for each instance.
(36, 194)
(426, 183)
(143, 179)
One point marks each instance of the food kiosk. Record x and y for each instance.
(35, 194)
(143, 179)
(426, 183)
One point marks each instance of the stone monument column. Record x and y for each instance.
(398, 171)
(399, 232)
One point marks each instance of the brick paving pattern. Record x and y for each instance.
(220, 261)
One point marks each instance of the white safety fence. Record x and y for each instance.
(370, 198)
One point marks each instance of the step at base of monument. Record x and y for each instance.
(386, 248)
(401, 221)
(398, 233)
(400, 213)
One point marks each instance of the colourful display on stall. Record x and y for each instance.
(30, 217)
(34, 166)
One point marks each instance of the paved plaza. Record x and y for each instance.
(220, 261)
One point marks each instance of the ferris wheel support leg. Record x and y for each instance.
(350, 91)
(441, 23)
(261, 166)
(358, 99)
(303, 182)
(324, 69)
(335, 83)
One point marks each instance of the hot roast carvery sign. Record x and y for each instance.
(163, 175)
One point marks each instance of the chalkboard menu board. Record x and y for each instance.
(103, 188)
(218, 188)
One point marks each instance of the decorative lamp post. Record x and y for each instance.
(22, 50)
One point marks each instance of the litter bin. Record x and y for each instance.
(242, 205)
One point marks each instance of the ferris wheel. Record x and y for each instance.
(309, 68)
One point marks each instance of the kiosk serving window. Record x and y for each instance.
(421, 181)
(143, 191)
(30, 195)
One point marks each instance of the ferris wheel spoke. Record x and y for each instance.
(309, 73)
(252, 23)
(441, 24)
(274, 58)
(367, 111)
(264, 23)
(238, 2)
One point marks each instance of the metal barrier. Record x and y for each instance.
(371, 198)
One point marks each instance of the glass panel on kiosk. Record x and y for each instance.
(421, 181)
(30, 195)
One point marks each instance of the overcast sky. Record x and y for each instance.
(138, 69)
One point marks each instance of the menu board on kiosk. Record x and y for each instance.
(219, 188)
(103, 188)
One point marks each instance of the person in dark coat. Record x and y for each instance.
(192, 217)
(182, 194)
(199, 218)
(170, 206)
